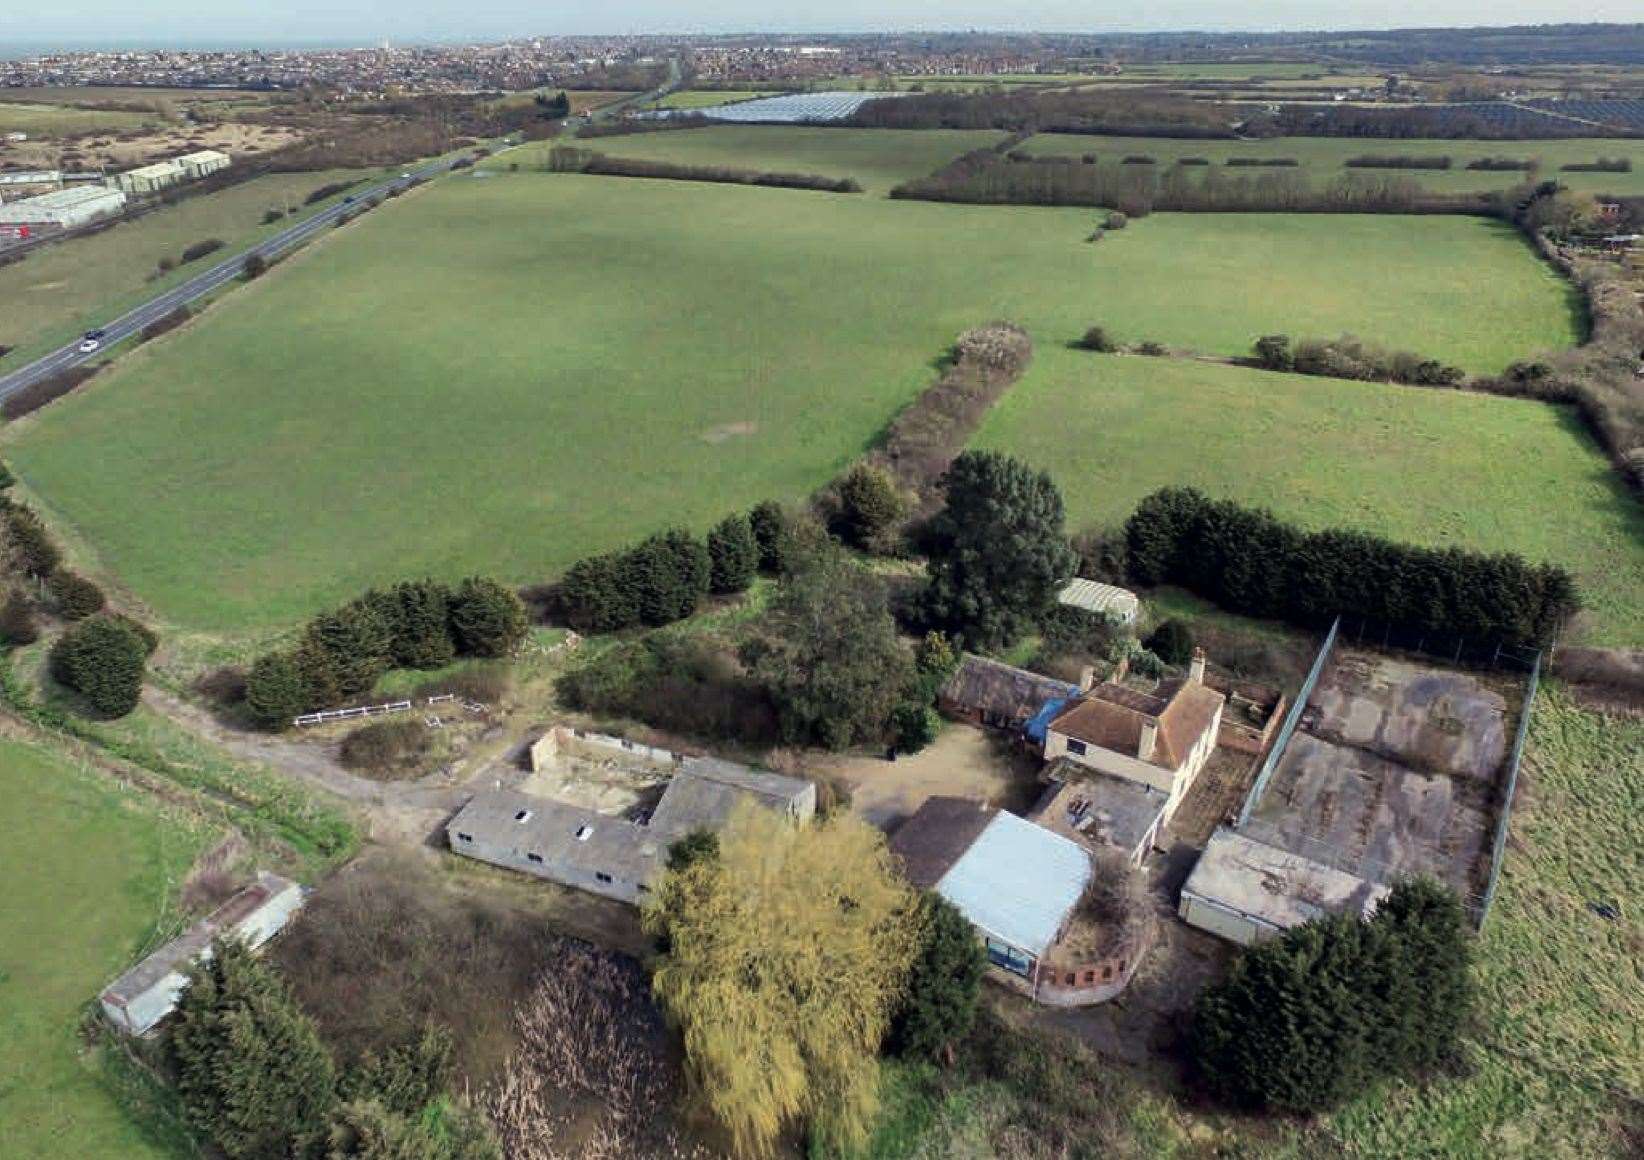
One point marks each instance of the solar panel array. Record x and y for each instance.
(795, 108)
(1626, 114)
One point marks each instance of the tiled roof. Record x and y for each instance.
(1110, 717)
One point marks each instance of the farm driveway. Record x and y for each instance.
(961, 762)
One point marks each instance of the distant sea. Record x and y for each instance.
(17, 50)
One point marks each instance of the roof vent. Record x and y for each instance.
(584, 832)
(523, 816)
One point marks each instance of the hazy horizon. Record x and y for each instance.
(202, 25)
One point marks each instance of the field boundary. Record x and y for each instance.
(1498, 850)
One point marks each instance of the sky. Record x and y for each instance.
(252, 22)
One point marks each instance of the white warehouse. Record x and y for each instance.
(65, 208)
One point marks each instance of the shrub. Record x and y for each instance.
(487, 619)
(1140, 159)
(1192, 161)
(1152, 349)
(1273, 352)
(42, 391)
(276, 690)
(939, 1004)
(200, 249)
(254, 266)
(769, 524)
(1171, 642)
(251, 1071)
(934, 660)
(1503, 164)
(17, 621)
(914, 726)
(1397, 161)
(330, 190)
(102, 659)
(270, 216)
(1096, 339)
(74, 596)
(388, 746)
(1348, 358)
(167, 322)
(28, 542)
(733, 555)
(870, 506)
(1262, 162)
(682, 684)
(1070, 632)
(1116, 221)
(1602, 165)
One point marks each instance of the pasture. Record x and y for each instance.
(92, 869)
(878, 158)
(1443, 468)
(63, 289)
(512, 373)
(1322, 158)
(45, 120)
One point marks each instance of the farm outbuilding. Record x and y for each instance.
(1108, 599)
(64, 208)
(150, 178)
(1246, 891)
(202, 163)
(997, 695)
(138, 1000)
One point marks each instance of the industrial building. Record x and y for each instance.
(139, 999)
(64, 208)
(165, 174)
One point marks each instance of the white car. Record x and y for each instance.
(90, 345)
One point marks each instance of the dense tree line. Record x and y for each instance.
(1399, 122)
(421, 624)
(1350, 358)
(565, 159)
(982, 177)
(255, 1079)
(1398, 161)
(1250, 562)
(658, 581)
(1311, 1018)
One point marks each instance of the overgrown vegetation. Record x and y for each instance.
(1350, 358)
(566, 159)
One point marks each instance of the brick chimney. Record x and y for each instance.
(1149, 741)
(1195, 668)
(1087, 678)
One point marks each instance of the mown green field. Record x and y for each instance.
(514, 372)
(878, 158)
(1429, 467)
(91, 871)
(64, 289)
(1322, 158)
(45, 120)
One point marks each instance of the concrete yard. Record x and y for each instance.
(1392, 773)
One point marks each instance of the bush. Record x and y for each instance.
(42, 391)
(1273, 352)
(1602, 165)
(330, 190)
(1249, 562)
(870, 506)
(914, 726)
(388, 747)
(102, 659)
(1116, 221)
(254, 266)
(1397, 161)
(167, 322)
(681, 684)
(270, 216)
(1503, 164)
(17, 621)
(74, 596)
(200, 249)
(1348, 358)
(276, 690)
(29, 544)
(1140, 159)
(6, 477)
(1361, 1000)
(939, 1003)
(487, 619)
(1262, 162)
(1152, 349)
(1096, 339)
(733, 555)
(769, 524)
(1171, 642)
(1078, 632)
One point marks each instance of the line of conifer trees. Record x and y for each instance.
(1249, 561)
(419, 624)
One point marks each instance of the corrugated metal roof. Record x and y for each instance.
(1017, 882)
(1094, 596)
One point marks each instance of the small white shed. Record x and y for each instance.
(1108, 599)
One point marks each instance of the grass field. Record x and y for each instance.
(878, 158)
(1442, 468)
(509, 374)
(1322, 157)
(1561, 987)
(91, 870)
(63, 289)
(707, 99)
(45, 120)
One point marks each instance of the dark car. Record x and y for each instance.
(95, 334)
(348, 201)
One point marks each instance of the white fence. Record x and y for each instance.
(348, 714)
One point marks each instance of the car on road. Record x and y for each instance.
(348, 201)
(405, 177)
(99, 332)
(89, 345)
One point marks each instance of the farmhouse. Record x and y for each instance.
(1160, 737)
(1021, 887)
(612, 855)
(999, 696)
(139, 999)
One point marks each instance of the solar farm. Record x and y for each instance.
(790, 109)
